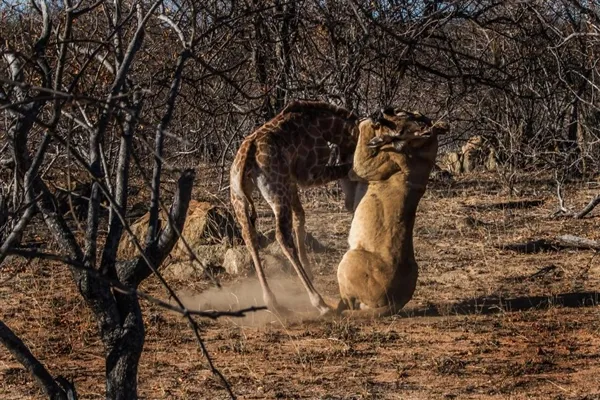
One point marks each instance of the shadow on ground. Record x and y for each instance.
(496, 304)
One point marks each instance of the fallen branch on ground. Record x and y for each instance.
(578, 242)
(532, 246)
(59, 389)
(506, 205)
(559, 243)
(588, 209)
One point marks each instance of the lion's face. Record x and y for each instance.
(396, 125)
(404, 129)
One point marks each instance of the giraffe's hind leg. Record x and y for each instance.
(280, 195)
(246, 217)
(300, 233)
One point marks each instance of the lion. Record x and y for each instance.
(395, 154)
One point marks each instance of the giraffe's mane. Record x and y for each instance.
(301, 106)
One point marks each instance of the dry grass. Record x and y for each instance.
(456, 339)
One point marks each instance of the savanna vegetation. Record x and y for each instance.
(115, 108)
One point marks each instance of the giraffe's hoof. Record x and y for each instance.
(327, 311)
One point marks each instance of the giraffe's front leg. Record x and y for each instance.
(280, 197)
(323, 174)
(300, 234)
(283, 217)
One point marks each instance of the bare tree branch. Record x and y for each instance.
(22, 354)
(588, 209)
(117, 285)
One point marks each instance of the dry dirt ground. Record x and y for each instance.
(485, 323)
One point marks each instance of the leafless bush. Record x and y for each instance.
(78, 79)
(101, 92)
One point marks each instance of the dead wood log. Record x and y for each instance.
(532, 246)
(588, 209)
(576, 242)
(506, 205)
(560, 243)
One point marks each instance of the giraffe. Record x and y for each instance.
(289, 151)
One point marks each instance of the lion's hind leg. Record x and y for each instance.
(361, 280)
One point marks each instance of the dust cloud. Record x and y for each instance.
(288, 291)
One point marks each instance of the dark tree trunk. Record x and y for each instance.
(287, 32)
(260, 63)
(124, 346)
